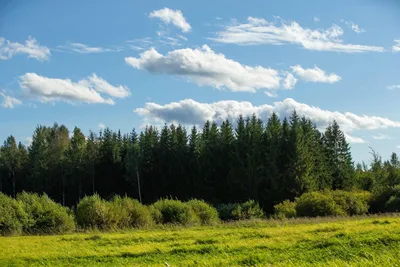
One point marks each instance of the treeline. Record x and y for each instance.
(268, 161)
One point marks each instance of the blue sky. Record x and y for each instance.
(124, 64)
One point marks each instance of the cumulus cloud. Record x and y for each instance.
(316, 19)
(9, 101)
(84, 91)
(354, 27)
(207, 68)
(102, 126)
(396, 47)
(31, 48)
(260, 31)
(315, 75)
(85, 49)
(174, 17)
(354, 140)
(394, 87)
(190, 112)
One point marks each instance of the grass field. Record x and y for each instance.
(363, 241)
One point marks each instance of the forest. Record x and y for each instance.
(267, 161)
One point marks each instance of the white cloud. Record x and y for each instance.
(85, 49)
(354, 140)
(190, 112)
(207, 68)
(394, 87)
(9, 101)
(381, 137)
(396, 47)
(271, 94)
(259, 31)
(315, 75)
(102, 126)
(169, 16)
(31, 47)
(289, 82)
(84, 91)
(316, 19)
(102, 86)
(355, 28)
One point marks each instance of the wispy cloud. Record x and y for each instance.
(354, 27)
(316, 19)
(31, 48)
(259, 31)
(396, 47)
(394, 87)
(381, 137)
(315, 75)
(87, 90)
(9, 101)
(174, 17)
(85, 49)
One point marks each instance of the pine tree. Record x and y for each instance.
(339, 157)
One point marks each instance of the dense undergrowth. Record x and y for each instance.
(31, 213)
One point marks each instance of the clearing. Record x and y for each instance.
(362, 241)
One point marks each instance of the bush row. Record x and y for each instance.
(33, 214)
(325, 203)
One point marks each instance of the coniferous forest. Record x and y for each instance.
(268, 161)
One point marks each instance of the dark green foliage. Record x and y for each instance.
(248, 210)
(12, 216)
(233, 161)
(206, 213)
(44, 216)
(240, 211)
(176, 212)
(286, 209)
(225, 211)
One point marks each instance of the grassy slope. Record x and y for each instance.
(373, 241)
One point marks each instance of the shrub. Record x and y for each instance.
(315, 204)
(393, 203)
(248, 210)
(44, 216)
(156, 214)
(12, 216)
(225, 211)
(286, 209)
(94, 212)
(206, 213)
(131, 213)
(352, 203)
(175, 211)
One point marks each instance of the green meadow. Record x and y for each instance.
(355, 241)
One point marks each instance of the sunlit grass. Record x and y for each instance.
(362, 241)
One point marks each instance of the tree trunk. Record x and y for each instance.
(138, 180)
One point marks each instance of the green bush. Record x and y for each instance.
(176, 212)
(393, 204)
(352, 203)
(225, 211)
(286, 209)
(206, 213)
(315, 204)
(94, 212)
(131, 213)
(44, 215)
(248, 210)
(12, 216)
